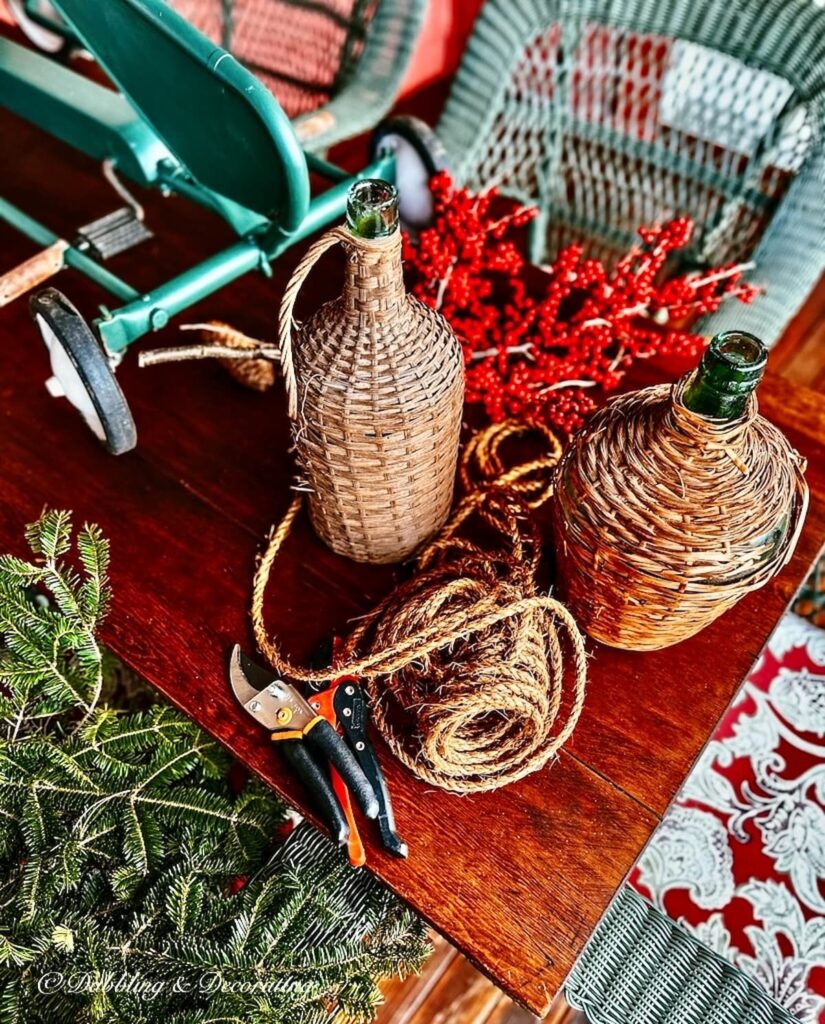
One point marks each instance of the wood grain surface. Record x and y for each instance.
(516, 879)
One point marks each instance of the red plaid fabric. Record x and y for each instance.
(740, 857)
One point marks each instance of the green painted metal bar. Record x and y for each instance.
(78, 111)
(331, 205)
(153, 311)
(330, 171)
(51, 24)
(37, 232)
(102, 124)
(223, 125)
(242, 220)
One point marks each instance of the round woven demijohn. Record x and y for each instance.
(663, 519)
(375, 383)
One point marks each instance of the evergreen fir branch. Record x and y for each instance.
(50, 535)
(184, 902)
(32, 824)
(19, 572)
(126, 880)
(10, 1003)
(68, 866)
(28, 893)
(62, 762)
(26, 647)
(188, 806)
(43, 785)
(64, 584)
(138, 732)
(93, 551)
(11, 953)
(137, 844)
(121, 841)
(51, 660)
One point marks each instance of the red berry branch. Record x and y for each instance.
(545, 344)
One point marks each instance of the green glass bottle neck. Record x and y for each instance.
(730, 371)
(372, 208)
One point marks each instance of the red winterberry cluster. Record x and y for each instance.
(547, 343)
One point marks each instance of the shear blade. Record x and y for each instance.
(239, 666)
(247, 677)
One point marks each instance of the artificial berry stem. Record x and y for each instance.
(547, 343)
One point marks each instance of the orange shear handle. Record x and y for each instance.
(322, 703)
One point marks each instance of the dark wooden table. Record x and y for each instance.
(516, 879)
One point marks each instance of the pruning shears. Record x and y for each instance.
(306, 730)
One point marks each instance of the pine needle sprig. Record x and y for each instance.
(125, 852)
(50, 662)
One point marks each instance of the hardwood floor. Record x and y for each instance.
(451, 990)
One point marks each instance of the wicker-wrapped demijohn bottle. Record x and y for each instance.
(674, 502)
(375, 383)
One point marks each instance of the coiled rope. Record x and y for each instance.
(466, 664)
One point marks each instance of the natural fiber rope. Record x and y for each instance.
(465, 663)
(286, 320)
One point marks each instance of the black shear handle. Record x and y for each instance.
(351, 708)
(317, 784)
(326, 742)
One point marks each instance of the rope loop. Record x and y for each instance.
(476, 679)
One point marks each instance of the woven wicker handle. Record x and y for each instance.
(285, 319)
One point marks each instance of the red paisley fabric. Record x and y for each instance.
(740, 857)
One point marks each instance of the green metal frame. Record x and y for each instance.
(104, 125)
(35, 13)
(364, 95)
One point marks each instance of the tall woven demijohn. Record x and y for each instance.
(375, 385)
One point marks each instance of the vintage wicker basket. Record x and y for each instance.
(663, 519)
(608, 114)
(375, 382)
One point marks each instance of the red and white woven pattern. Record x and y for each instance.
(740, 857)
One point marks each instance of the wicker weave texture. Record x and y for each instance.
(640, 968)
(664, 519)
(335, 66)
(609, 115)
(357, 897)
(379, 390)
(299, 51)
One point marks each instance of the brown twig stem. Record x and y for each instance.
(180, 353)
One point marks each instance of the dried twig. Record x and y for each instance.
(180, 353)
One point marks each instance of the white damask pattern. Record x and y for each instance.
(762, 782)
(800, 698)
(794, 631)
(690, 851)
(785, 977)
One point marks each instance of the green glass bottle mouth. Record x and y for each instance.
(729, 373)
(741, 355)
(372, 208)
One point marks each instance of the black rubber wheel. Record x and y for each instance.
(81, 371)
(419, 154)
(55, 43)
